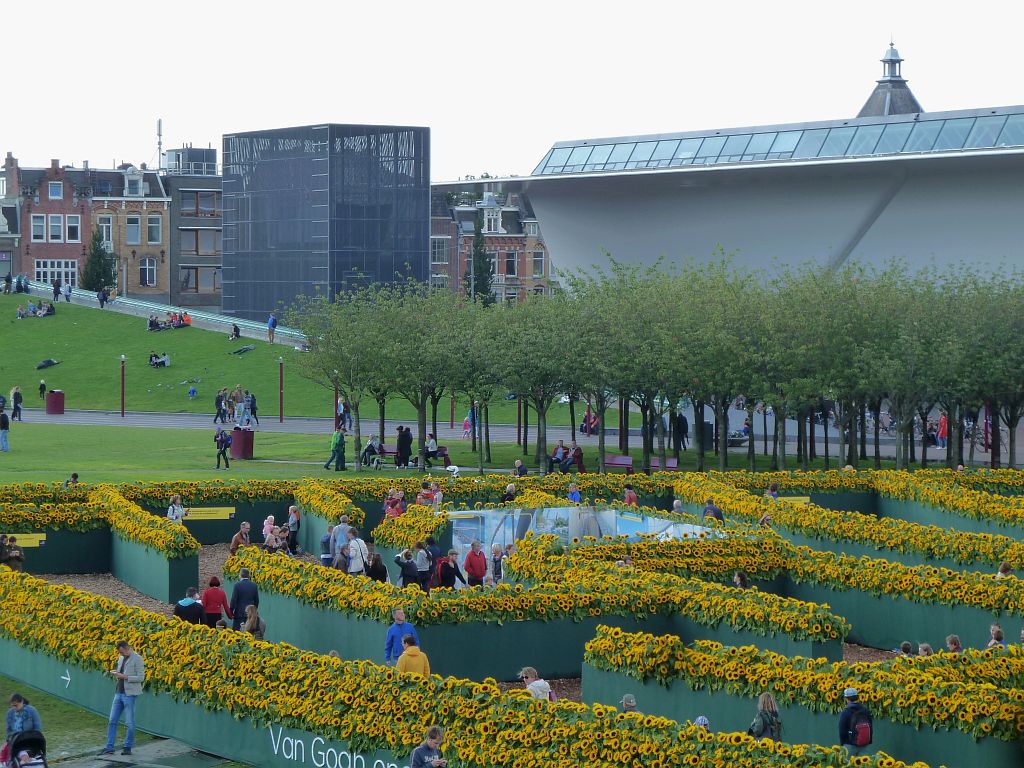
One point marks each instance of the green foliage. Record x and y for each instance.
(99, 265)
(480, 275)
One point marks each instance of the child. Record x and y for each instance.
(268, 526)
(192, 392)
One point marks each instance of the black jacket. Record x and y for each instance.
(244, 594)
(847, 719)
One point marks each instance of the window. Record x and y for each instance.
(147, 272)
(133, 230)
(56, 228)
(133, 188)
(492, 220)
(538, 263)
(55, 190)
(439, 250)
(201, 242)
(532, 229)
(154, 229)
(200, 203)
(106, 227)
(511, 262)
(47, 270)
(38, 228)
(438, 280)
(199, 279)
(3, 186)
(492, 256)
(73, 233)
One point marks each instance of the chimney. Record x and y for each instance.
(85, 165)
(55, 164)
(11, 172)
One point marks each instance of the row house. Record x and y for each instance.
(51, 214)
(520, 263)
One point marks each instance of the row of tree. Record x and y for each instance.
(802, 341)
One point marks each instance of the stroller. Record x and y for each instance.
(31, 742)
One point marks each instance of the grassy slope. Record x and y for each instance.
(89, 343)
(49, 452)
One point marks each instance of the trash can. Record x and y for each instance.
(241, 443)
(55, 401)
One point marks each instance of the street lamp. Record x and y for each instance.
(122, 386)
(280, 389)
(337, 415)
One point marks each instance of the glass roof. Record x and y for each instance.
(897, 135)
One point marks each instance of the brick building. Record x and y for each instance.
(512, 238)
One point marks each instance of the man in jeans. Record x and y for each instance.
(130, 673)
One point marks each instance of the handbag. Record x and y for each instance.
(5, 753)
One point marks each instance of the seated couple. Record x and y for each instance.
(565, 458)
(159, 361)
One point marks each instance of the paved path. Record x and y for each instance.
(159, 753)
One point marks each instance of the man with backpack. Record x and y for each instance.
(223, 441)
(856, 729)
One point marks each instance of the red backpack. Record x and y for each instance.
(435, 577)
(860, 730)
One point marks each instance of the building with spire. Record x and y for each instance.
(892, 95)
(893, 183)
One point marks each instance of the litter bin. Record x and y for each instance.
(241, 443)
(55, 401)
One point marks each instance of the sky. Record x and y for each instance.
(497, 83)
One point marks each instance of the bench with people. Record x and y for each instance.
(382, 453)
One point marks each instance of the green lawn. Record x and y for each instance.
(89, 343)
(49, 452)
(69, 730)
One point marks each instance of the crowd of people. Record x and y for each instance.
(43, 309)
(238, 405)
(172, 320)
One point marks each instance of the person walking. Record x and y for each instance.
(42, 389)
(396, 632)
(22, 716)
(219, 409)
(176, 513)
(130, 673)
(222, 440)
(243, 594)
(189, 608)
(5, 428)
(413, 660)
(67, 292)
(856, 728)
(359, 555)
(271, 327)
(240, 539)
(337, 451)
(293, 524)
(252, 408)
(215, 603)
(475, 565)
(56, 289)
(766, 723)
(16, 400)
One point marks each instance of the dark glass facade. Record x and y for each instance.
(319, 209)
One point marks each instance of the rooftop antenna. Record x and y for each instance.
(160, 143)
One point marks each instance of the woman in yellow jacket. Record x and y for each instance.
(412, 658)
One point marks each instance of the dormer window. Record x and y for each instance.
(133, 182)
(492, 221)
(55, 190)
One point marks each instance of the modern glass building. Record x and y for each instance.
(322, 209)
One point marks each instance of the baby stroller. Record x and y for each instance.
(32, 743)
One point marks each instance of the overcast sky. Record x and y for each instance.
(497, 83)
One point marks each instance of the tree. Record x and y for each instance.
(481, 273)
(99, 265)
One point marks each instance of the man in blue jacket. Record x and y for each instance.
(393, 643)
(243, 594)
(855, 724)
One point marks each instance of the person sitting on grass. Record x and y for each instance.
(21, 312)
(32, 308)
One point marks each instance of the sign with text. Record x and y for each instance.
(211, 513)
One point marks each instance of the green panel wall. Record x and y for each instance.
(850, 501)
(221, 531)
(216, 732)
(854, 549)
(150, 572)
(925, 514)
(726, 712)
(477, 650)
(70, 552)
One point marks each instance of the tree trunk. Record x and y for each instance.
(624, 436)
(996, 454)
(474, 424)
(717, 438)
(751, 450)
(960, 433)
(421, 418)
(911, 443)
(877, 410)
(764, 427)
(487, 433)
(601, 410)
(542, 432)
(698, 435)
(780, 419)
(478, 427)
(800, 436)
(723, 433)
(645, 438)
(812, 447)
(526, 430)
(774, 465)
(924, 439)
(851, 448)
(662, 454)
(354, 405)
(381, 403)
(572, 416)
(824, 434)
(864, 430)
(434, 400)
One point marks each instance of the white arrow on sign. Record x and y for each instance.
(66, 677)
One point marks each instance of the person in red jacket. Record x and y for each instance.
(475, 565)
(214, 601)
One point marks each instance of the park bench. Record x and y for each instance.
(736, 439)
(384, 453)
(671, 463)
(615, 461)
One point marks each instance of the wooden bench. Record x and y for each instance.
(615, 461)
(671, 463)
(384, 453)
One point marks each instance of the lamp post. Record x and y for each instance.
(122, 386)
(280, 389)
(337, 395)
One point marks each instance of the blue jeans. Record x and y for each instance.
(126, 704)
(3, 440)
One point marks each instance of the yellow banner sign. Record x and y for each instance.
(805, 500)
(211, 513)
(27, 540)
